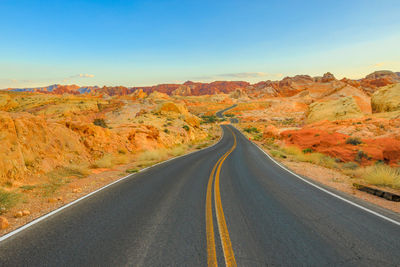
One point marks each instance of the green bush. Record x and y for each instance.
(186, 127)
(360, 155)
(100, 122)
(251, 130)
(258, 137)
(353, 141)
(307, 150)
(209, 119)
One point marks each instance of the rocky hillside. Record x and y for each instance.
(41, 132)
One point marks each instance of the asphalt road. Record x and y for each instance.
(227, 204)
(219, 114)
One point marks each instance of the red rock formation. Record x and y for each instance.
(378, 79)
(197, 88)
(334, 144)
(116, 90)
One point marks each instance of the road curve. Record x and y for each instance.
(227, 204)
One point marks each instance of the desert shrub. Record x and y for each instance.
(166, 131)
(307, 150)
(277, 153)
(186, 127)
(382, 174)
(209, 119)
(122, 151)
(353, 141)
(288, 121)
(350, 165)
(360, 155)
(100, 122)
(229, 115)
(203, 145)
(251, 130)
(131, 170)
(76, 170)
(7, 200)
(258, 137)
(27, 187)
(60, 176)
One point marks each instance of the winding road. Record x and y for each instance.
(229, 204)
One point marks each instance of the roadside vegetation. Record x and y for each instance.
(379, 174)
(100, 122)
(208, 119)
(110, 160)
(7, 200)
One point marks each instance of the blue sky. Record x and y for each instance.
(149, 42)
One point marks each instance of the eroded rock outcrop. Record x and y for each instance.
(386, 99)
(342, 108)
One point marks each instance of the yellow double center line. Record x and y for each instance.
(223, 229)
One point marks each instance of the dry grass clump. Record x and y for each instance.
(77, 170)
(177, 150)
(315, 158)
(277, 153)
(61, 176)
(110, 160)
(153, 155)
(131, 170)
(161, 154)
(382, 174)
(7, 200)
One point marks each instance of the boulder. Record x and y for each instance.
(3, 223)
(170, 107)
(328, 77)
(386, 99)
(342, 108)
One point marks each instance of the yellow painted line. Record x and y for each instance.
(211, 252)
(223, 229)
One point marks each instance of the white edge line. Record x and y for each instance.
(329, 192)
(16, 231)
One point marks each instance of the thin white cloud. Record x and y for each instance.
(81, 75)
(380, 64)
(85, 75)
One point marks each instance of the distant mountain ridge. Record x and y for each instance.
(58, 89)
(286, 87)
